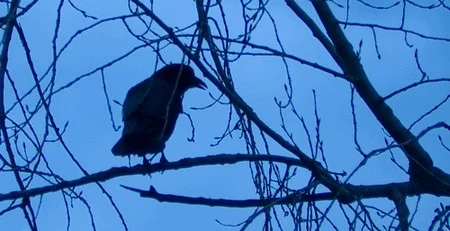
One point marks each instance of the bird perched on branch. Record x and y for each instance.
(151, 109)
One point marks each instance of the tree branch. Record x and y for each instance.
(290, 199)
(220, 159)
(421, 165)
(399, 200)
(315, 167)
(10, 22)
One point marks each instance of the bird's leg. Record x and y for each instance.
(163, 159)
(145, 162)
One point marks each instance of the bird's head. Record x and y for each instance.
(183, 76)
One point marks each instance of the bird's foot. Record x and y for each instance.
(163, 159)
(146, 162)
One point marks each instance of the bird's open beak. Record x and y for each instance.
(198, 83)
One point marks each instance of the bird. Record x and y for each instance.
(151, 109)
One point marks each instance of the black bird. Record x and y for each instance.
(151, 109)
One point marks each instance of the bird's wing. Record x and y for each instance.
(144, 126)
(151, 98)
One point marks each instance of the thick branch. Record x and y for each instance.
(399, 200)
(358, 191)
(148, 169)
(420, 162)
(314, 29)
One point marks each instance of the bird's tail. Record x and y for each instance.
(139, 145)
(121, 148)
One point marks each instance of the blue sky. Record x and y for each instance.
(90, 134)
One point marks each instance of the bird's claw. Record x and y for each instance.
(163, 159)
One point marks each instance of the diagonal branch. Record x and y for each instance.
(421, 165)
(53, 124)
(315, 167)
(10, 22)
(314, 29)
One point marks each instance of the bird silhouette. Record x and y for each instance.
(151, 109)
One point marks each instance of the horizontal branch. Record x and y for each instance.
(400, 28)
(357, 192)
(388, 191)
(290, 199)
(220, 159)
